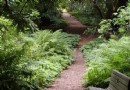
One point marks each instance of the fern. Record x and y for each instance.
(105, 57)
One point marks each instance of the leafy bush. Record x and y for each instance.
(118, 26)
(12, 48)
(31, 62)
(95, 43)
(104, 58)
(90, 31)
(71, 39)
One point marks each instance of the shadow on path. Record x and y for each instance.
(74, 26)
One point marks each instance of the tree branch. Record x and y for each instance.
(99, 10)
(23, 7)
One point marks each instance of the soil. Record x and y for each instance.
(72, 78)
(74, 25)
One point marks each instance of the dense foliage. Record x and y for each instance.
(28, 14)
(101, 8)
(91, 12)
(32, 61)
(103, 58)
(118, 26)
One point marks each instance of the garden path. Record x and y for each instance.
(74, 26)
(71, 79)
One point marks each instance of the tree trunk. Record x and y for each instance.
(98, 9)
(112, 6)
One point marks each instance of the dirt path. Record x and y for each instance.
(74, 25)
(71, 79)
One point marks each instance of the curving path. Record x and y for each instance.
(74, 25)
(72, 78)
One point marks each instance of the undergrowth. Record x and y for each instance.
(102, 57)
(32, 62)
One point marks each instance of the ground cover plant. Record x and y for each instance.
(88, 47)
(103, 58)
(91, 31)
(32, 61)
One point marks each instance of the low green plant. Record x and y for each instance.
(71, 39)
(49, 55)
(12, 48)
(101, 60)
(31, 62)
(95, 43)
(90, 31)
(105, 26)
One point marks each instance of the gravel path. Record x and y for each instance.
(72, 78)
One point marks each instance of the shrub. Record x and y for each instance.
(106, 57)
(87, 48)
(118, 26)
(31, 62)
(12, 48)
